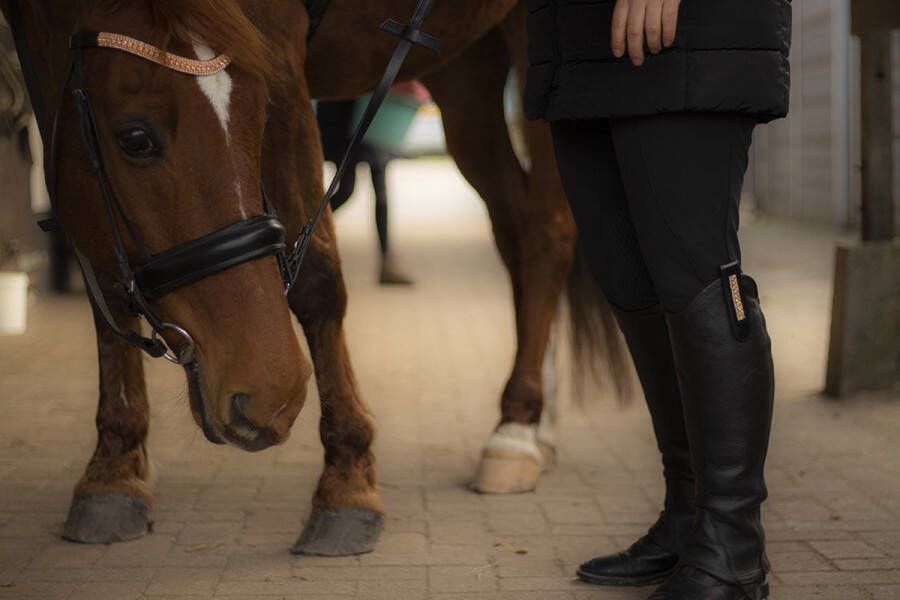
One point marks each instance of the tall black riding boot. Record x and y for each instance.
(724, 362)
(653, 557)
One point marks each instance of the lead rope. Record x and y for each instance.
(409, 35)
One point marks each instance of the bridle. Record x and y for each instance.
(156, 275)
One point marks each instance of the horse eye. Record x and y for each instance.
(138, 142)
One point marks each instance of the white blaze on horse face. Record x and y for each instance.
(239, 193)
(217, 88)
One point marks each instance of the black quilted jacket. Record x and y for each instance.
(728, 56)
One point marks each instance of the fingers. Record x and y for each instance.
(669, 21)
(635, 33)
(636, 22)
(653, 26)
(619, 25)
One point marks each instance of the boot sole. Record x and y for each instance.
(605, 580)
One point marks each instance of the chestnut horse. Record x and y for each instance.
(189, 155)
(483, 40)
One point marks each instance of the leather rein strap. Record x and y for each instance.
(253, 238)
(409, 35)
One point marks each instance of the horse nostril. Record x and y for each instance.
(239, 419)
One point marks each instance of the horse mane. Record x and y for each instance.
(220, 24)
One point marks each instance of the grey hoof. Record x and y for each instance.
(106, 519)
(340, 532)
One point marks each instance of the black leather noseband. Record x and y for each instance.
(219, 251)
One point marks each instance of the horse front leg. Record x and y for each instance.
(347, 513)
(535, 236)
(112, 500)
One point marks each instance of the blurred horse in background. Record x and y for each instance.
(483, 41)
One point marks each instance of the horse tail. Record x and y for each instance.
(597, 346)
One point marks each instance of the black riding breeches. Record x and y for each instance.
(335, 123)
(656, 200)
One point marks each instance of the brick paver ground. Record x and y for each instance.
(432, 361)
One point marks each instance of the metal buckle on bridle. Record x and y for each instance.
(186, 355)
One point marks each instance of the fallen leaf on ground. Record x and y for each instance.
(507, 546)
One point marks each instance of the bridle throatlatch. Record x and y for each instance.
(155, 275)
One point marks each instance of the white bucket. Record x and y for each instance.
(13, 302)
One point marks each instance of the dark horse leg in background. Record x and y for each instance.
(533, 229)
(113, 498)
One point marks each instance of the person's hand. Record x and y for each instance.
(635, 19)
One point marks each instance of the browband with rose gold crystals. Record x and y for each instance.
(115, 41)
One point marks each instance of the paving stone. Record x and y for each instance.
(884, 592)
(522, 566)
(798, 561)
(432, 362)
(37, 589)
(131, 590)
(846, 549)
(391, 589)
(177, 580)
(443, 579)
(451, 554)
(283, 588)
(62, 555)
(585, 592)
(815, 592)
(840, 577)
(867, 564)
(524, 583)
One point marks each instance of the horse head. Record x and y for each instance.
(180, 141)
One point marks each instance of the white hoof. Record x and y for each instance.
(511, 461)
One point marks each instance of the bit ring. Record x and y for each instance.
(186, 355)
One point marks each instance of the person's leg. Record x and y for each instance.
(379, 183)
(683, 175)
(334, 119)
(390, 272)
(590, 172)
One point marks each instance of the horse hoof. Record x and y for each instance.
(511, 461)
(340, 532)
(506, 473)
(106, 519)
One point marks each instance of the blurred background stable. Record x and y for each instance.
(808, 168)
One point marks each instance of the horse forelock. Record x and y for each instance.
(221, 25)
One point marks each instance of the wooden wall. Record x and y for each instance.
(807, 166)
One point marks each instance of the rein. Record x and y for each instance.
(241, 242)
